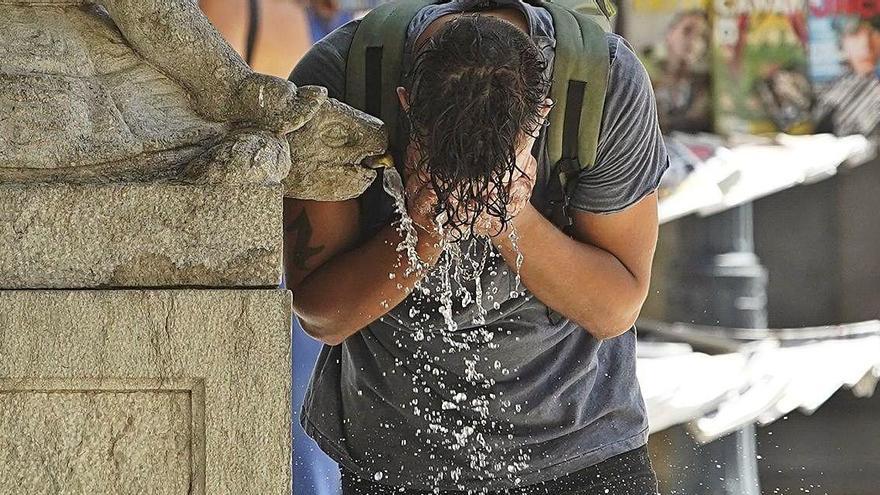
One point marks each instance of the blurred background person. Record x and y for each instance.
(271, 35)
(680, 72)
(325, 16)
(852, 104)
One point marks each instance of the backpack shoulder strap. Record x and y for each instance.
(580, 79)
(373, 68)
(601, 11)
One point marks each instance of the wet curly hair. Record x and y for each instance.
(475, 87)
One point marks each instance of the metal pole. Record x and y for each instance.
(718, 280)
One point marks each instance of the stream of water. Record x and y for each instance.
(460, 264)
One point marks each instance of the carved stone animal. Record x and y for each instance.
(327, 150)
(146, 90)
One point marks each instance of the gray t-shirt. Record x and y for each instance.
(516, 394)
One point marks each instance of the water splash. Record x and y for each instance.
(459, 264)
(393, 185)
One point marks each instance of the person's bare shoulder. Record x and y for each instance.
(283, 39)
(230, 17)
(282, 31)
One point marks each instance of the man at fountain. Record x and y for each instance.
(394, 395)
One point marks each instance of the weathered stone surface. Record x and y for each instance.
(94, 437)
(144, 90)
(128, 90)
(148, 235)
(145, 392)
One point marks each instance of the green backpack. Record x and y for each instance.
(580, 76)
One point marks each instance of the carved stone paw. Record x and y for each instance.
(326, 153)
(246, 156)
(277, 104)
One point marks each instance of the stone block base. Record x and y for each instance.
(183, 392)
(139, 235)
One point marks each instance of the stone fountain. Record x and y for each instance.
(144, 339)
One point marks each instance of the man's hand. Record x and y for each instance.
(421, 200)
(520, 183)
(598, 277)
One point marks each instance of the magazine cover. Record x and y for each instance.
(759, 72)
(671, 38)
(844, 59)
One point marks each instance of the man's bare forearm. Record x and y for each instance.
(355, 288)
(586, 284)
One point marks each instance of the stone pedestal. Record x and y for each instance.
(144, 343)
(145, 392)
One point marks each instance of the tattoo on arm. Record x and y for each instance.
(301, 228)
